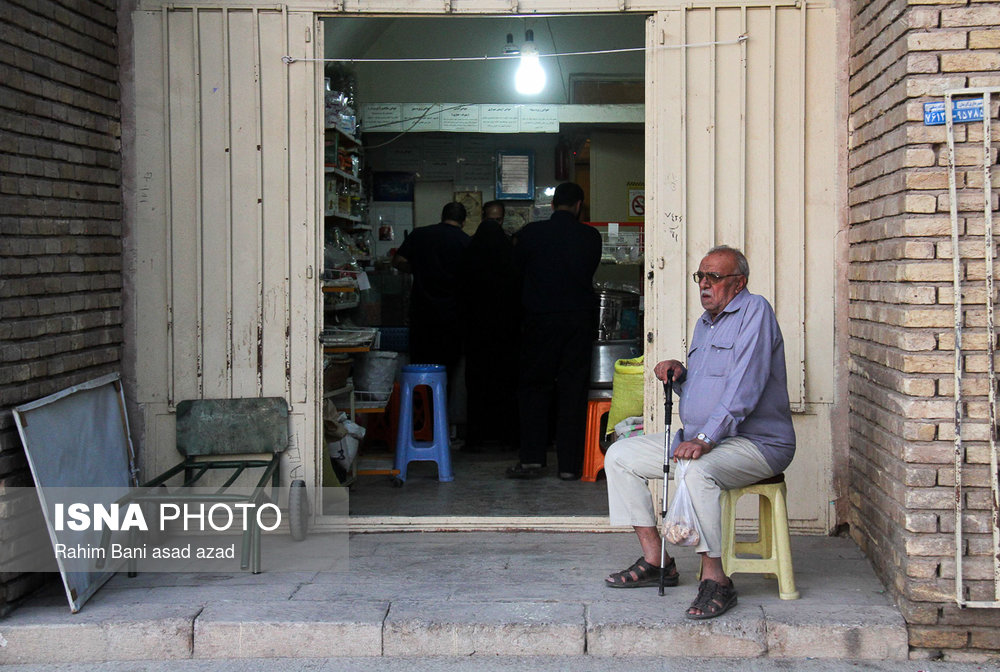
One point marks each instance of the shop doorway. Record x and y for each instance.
(414, 159)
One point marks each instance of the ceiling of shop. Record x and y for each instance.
(480, 81)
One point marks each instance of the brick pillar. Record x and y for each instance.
(901, 315)
(60, 219)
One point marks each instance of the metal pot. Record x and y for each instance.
(603, 358)
(613, 306)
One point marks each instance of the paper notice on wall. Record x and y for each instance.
(498, 119)
(441, 145)
(515, 173)
(476, 173)
(421, 117)
(381, 117)
(460, 118)
(403, 160)
(438, 169)
(539, 119)
(477, 144)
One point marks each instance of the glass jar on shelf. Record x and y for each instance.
(343, 198)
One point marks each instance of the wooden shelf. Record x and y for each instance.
(346, 389)
(345, 305)
(344, 134)
(344, 216)
(335, 349)
(340, 173)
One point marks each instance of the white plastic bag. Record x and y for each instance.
(344, 450)
(680, 527)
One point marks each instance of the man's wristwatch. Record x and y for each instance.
(702, 437)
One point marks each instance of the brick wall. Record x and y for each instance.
(60, 217)
(901, 314)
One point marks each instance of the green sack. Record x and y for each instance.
(626, 391)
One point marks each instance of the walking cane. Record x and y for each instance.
(668, 407)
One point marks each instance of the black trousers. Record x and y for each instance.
(556, 350)
(435, 343)
(491, 390)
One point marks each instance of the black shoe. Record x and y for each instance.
(569, 476)
(524, 471)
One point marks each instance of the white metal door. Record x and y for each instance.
(225, 217)
(740, 150)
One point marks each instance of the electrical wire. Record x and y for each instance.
(288, 60)
(415, 120)
(562, 79)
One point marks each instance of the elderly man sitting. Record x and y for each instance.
(737, 428)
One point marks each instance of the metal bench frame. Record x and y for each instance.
(210, 430)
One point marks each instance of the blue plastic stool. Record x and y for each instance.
(408, 449)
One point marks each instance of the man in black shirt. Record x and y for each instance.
(433, 254)
(556, 260)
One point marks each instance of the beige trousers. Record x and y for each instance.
(630, 463)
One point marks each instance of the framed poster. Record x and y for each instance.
(392, 186)
(515, 175)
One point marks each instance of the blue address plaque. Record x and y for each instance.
(963, 111)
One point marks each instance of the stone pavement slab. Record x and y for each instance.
(478, 628)
(97, 633)
(649, 628)
(871, 633)
(290, 629)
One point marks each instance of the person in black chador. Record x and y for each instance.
(556, 260)
(490, 298)
(433, 254)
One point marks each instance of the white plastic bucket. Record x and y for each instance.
(375, 371)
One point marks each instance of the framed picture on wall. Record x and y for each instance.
(515, 175)
(392, 186)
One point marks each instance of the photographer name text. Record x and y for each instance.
(122, 552)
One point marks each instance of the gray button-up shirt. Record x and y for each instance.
(736, 382)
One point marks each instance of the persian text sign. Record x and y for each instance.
(963, 111)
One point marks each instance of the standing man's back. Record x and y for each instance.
(556, 260)
(433, 254)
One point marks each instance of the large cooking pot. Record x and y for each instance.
(603, 358)
(618, 315)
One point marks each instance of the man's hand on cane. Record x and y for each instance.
(686, 450)
(672, 365)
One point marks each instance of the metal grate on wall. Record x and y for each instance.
(977, 495)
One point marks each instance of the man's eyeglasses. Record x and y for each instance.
(711, 277)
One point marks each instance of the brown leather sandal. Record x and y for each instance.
(714, 599)
(642, 574)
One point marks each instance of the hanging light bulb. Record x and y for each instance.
(530, 77)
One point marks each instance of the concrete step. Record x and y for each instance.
(501, 594)
(334, 628)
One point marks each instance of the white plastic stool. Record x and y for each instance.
(772, 545)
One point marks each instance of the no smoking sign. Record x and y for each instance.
(636, 201)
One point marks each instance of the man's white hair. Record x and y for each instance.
(742, 265)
